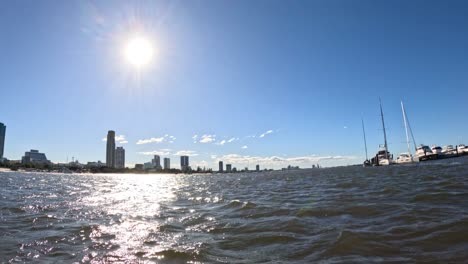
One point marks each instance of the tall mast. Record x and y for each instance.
(406, 127)
(384, 132)
(364, 133)
(411, 131)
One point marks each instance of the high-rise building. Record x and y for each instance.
(110, 150)
(221, 168)
(257, 168)
(120, 157)
(2, 139)
(167, 163)
(34, 156)
(228, 167)
(156, 162)
(184, 163)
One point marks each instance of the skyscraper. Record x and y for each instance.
(2, 139)
(228, 167)
(120, 157)
(184, 163)
(257, 168)
(110, 150)
(221, 167)
(156, 162)
(167, 163)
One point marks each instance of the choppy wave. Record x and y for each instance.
(400, 214)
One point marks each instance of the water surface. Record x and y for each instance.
(398, 214)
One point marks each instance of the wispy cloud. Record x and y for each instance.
(244, 147)
(165, 138)
(225, 141)
(266, 133)
(119, 139)
(186, 153)
(207, 138)
(161, 152)
(222, 142)
(169, 152)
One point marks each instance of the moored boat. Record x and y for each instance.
(462, 149)
(367, 162)
(383, 157)
(449, 151)
(406, 158)
(436, 150)
(424, 153)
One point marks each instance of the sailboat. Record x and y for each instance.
(383, 157)
(406, 157)
(367, 162)
(422, 152)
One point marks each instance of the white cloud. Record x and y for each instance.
(162, 152)
(207, 138)
(244, 147)
(165, 138)
(169, 152)
(123, 142)
(222, 142)
(186, 153)
(150, 140)
(266, 133)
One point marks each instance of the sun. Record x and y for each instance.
(138, 52)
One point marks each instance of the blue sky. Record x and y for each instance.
(305, 70)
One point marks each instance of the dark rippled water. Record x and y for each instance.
(395, 214)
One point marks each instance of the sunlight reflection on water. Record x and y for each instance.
(337, 215)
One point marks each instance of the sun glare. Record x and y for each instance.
(138, 52)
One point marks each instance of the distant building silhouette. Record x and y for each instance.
(2, 140)
(228, 167)
(34, 156)
(184, 163)
(167, 163)
(110, 149)
(139, 167)
(257, 168)
(97, 164)
(156, 162)
(221, 166)
(120, 157)
(148, 165)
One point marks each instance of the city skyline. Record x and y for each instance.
(230, 83)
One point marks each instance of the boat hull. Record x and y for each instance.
(428, 157)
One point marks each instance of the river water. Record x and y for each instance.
(398, 214)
